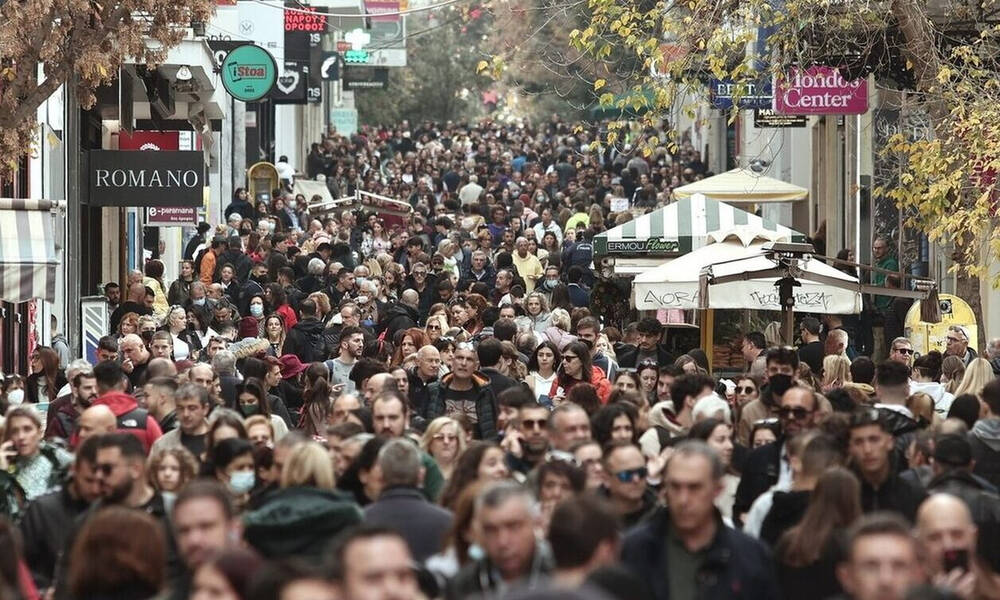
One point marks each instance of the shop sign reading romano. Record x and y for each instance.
(126, 178)
(819, 90)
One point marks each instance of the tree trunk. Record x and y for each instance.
(967, 288)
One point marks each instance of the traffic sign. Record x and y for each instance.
(356, 57)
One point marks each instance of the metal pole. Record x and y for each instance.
(73, 274)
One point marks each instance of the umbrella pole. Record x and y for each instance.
(788, 320)
(708, 335)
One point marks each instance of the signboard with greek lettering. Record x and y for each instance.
(760, 294)
(819, 90)
(127, 178)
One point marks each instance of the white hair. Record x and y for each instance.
(711, 406)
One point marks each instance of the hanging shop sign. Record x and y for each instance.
(248, 73)
(127, 178)
(819, 90)
(766, 117)
(746, 95)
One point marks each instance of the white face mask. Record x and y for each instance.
(15, 397)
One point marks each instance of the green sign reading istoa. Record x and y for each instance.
(249, 73)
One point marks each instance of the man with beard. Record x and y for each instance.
(529, 443)
(122, 480)
(351, 345)
(64, 412)
(780, 363)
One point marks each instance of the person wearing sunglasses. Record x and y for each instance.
(625, 485)
(901, 350)
(957, 344)
(798, 412)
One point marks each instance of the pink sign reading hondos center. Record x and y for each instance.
(819, 91)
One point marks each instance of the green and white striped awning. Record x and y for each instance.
(28, 258)
(683, 226)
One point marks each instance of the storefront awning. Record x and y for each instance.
(28, 258)
(683, 226)
(743, 186)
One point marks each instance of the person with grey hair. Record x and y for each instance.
(957, 344)
(402, 506)
(313, 281)
(224, 363)
(516, 557)
(527, 264)
(662, 549)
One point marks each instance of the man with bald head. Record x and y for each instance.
(425, 372)
(96, 420)
(376, 384)
(135, 358)
(949, 538)
(135, 302)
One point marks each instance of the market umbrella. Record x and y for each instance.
(743, 186)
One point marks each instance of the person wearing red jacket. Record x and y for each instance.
(577, 368)
(130, 418)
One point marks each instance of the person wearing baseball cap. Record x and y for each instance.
(957, 344)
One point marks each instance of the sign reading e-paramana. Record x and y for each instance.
(127, 178)
(171, 216)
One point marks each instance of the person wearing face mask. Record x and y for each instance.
(233, 466)
(252, 325)
(252, 400)
(781, 364)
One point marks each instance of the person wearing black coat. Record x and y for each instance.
(870, 447)
(953, 475)
(401, 316)
(403, 506)
(734, 565)
(241, 206)
(761, 470)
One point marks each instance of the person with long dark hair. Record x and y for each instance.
(46, 377)
(481, 462)
(542, 371)
(576, 367)
(615, 423)
(806, 555)
(316, 402)
(253, 400)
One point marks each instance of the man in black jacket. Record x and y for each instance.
(490, 352)
(403, 315)
(768, 465)
(649, 347)
(985, 436)
(48, 519)
(402, 505)
(306, 339)
(870, 445)
(686, 551)
(953, 475)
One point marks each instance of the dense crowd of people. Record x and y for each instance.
(362, 405)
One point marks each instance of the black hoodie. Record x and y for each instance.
(398, 318)
(306, 341)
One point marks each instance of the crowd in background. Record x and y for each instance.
(362, 404)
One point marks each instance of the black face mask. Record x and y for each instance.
(147, 336)
(779, 384)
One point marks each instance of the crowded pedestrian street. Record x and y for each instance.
(274, 328)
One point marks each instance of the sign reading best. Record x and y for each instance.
(819, 90)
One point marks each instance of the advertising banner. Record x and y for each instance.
(128, 178)
(819, 90)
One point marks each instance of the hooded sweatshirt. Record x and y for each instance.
(985, 441)
(659, 419)
(131, 418)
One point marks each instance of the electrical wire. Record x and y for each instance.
(363, 15)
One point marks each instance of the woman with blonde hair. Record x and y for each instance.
(836, 372)
(977, 375)
(445, 442)
(308, 465)
(435, 328)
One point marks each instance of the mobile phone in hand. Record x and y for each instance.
(955, 559)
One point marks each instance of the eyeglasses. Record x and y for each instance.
(629, 475)
(533, 423)
(420, 273)
(906, 351)
(767, 421)
(434, 328)
(953, 340)
(570, 357)
(797, 413)
(746, 390)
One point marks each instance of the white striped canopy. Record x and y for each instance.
(743, 186)
(683, 226)
(28, 258)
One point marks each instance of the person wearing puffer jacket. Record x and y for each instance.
(537, 309)
(576, 363)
